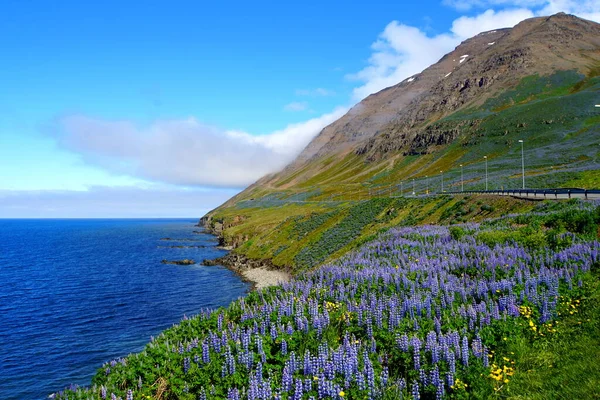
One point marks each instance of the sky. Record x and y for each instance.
(167, 109)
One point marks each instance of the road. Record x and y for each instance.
(548, 194)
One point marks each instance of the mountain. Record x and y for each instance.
(537, 82)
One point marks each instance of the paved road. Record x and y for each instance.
(548, 194)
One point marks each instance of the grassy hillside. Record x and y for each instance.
(340, 201)
(503, 309)
(554, 115)
(302, 235)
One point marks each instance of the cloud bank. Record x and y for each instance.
(186, 152)
(110, 202)
(402, 50)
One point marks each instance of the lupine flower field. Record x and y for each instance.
(419, 313)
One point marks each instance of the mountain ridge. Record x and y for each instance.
(536, 82)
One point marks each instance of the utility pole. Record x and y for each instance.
(442, 174)
(523, 162)
(462, 187)
(486, 174)
(414, 186)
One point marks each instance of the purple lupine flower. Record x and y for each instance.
(416, 343)
(220, 322)
(186, 365)
(299, 390)
(360, 381)
(307, 385)
(423, 377)
(233, 394)
(415, 391)
(369, 372)
(485, 357)
(205, 353)
(401, 384)
(129, 394)
(384, 376)
(449, 379)
(283, 347)
(321, 387)
(266, 392)
(286, 378)
(254, 387)
(402, 342)
(465, 351)
(103, 392)
(224, 370)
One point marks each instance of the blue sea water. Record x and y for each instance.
(77, 293)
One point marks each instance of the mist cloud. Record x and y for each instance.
(186, 151)
(111, 202)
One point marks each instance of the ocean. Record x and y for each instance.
(77, 293)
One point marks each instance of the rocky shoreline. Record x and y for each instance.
(179, 262)
(261, 273)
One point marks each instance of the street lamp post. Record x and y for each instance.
(442, 174)
(401, 188)
(522, 162)
(462, 187)
(486, 174)
(427, 180)
(413, 186)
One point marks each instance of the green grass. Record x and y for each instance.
(281, 233)
(535, 88)
(529, 357)
(564, 364)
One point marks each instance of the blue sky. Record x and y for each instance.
(199, 99)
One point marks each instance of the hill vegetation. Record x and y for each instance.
(502, 309)
(401, 290)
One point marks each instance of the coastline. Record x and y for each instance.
(262, 278)
(261, 273)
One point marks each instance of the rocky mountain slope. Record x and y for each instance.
(537, 82)
(450, 101)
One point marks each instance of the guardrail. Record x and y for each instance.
(560, 193)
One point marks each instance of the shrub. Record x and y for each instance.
(487, 208)
(456, 232)
(583, 222)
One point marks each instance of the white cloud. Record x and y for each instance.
(399, 52)
(296, 106)
(318, 92)
(589, 9)
(466, 27)
(186, 152)
(402, 51)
